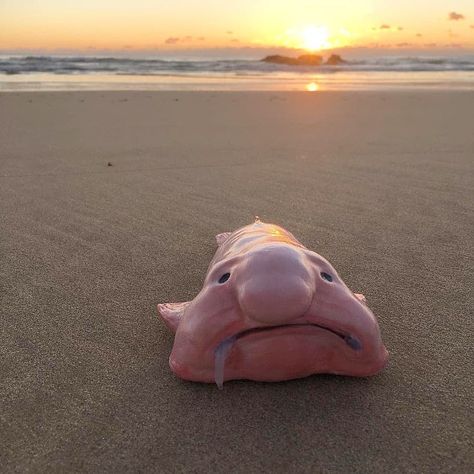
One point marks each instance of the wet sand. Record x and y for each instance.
(380, 183)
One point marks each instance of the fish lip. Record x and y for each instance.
(350, 340)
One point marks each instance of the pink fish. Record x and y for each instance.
(271, 310)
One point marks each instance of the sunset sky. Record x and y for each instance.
(210, 24)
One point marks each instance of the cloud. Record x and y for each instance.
(235, 40)
(229, 32)
(472, 26)
(172, 40)
(419, 35)
(404, 45)
(182, 39)
(386, 26)
(201, 38)
(453, 16)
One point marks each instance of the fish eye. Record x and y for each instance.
(326, 276)
(224, 278)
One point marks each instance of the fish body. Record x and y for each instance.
(272, 310)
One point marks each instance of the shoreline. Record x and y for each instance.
(277, 82)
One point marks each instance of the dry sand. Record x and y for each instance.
(379, 183)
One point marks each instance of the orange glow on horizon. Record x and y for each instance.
(134, 25)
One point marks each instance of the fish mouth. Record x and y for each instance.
(222, 350)
(351, 341)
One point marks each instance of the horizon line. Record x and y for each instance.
(260, 50)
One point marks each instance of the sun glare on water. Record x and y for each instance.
(312, 87)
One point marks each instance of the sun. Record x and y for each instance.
(310, 38)
(314, 38)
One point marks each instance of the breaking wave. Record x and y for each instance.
(154, 66)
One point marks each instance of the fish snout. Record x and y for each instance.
(276, 287)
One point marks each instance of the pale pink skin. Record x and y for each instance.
(275, 285)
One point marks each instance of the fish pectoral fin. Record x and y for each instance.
(221, 238)
(172, 313)
(360, 297)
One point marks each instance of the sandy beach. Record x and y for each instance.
(380, 183)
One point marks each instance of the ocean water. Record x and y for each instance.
(118, 73)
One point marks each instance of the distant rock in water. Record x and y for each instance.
(277, 59)
(335, 60)
(310, 60)
(304, 60)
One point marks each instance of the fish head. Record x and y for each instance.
(277, 312)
